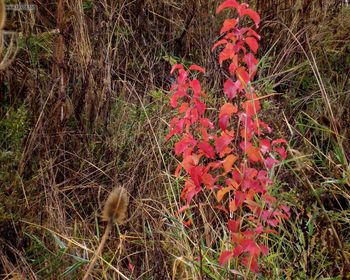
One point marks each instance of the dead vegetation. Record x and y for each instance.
(83, 107)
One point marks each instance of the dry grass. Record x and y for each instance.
(88, 99)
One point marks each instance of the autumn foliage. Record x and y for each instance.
(232, 153)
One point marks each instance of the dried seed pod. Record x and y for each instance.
(116, 206)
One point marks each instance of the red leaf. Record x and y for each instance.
(223, 122)
(252, 33)
(252, 43)
(279, 141)
(220, 194)
(187, 142)
(187, 163)
(232, 36)
(227, 109)
(243, 76)
(225, 151)
(189, 191)
(259, 229)
(196, 86)
(233, 65)
(253, 154)
(208, 181)
(251, 262)
(251, 247)
(219, 43)
(207, 149)
(197, 68)
(228, 25)
(175, 67)
(251, 62)
(231, 88)
(182, 76)
(214, 165)
(131, 266)
(270, 162)
(264, 249)
(286, 210)
(206, 123)
(183, 107)
(237, 201)
(282, 152)
(227, 53)
(200, 106)
(196, 173)
(228, 162)
(222, 142)
(234, 225)
(264, 146)
(176, 95)
(251, 107)
(204, 133)
(243, 11)
(183, 208)
(188, 223)
(227, 4)
(225, 257)
(232, 183)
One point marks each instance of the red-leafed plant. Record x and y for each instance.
(230, 155)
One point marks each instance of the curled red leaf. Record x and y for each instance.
(227, 4)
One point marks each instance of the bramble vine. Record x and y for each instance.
(215, 155)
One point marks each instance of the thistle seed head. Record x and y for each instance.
(116, 206)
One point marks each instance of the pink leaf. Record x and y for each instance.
(225, 257)
(182, 76)
(223, 122)
(231, 88)
(264, 249)
(270, 162)
(264, 146)
(183, 208)
(251, 62)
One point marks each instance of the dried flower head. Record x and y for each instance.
(116, 206)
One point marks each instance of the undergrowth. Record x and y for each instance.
(74, 125)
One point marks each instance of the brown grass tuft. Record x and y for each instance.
(2, 22)
(116, 206)
(2, 14)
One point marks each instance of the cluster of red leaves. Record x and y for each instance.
(232, 155)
